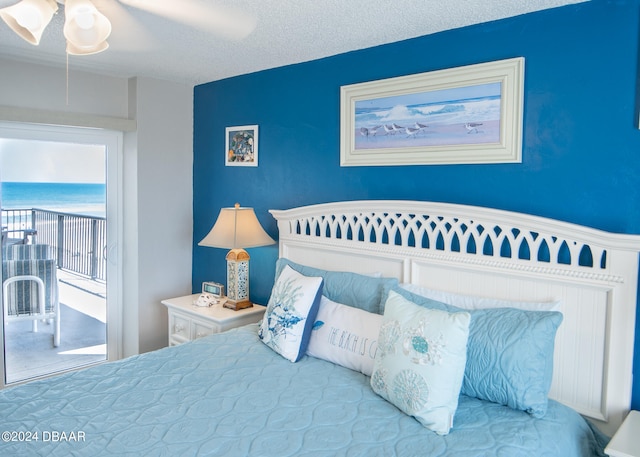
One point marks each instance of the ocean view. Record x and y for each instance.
(77, 198)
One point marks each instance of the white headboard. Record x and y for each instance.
(499, 254)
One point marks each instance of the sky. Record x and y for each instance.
(433, 96)
(44, 161)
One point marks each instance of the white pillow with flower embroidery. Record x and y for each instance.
(291, 311)
(420, 361)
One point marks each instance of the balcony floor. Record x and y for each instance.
(82, 333)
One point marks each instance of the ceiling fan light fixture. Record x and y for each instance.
(85, 18)
(29, 18)
(85, 28)
(86, 51)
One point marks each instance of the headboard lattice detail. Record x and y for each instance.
(449, 235)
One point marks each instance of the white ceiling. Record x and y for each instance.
(285, 32)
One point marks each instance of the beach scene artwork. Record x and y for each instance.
(468, 115)
(464, 115)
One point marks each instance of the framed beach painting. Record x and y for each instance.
(470, 114)
(241, 146)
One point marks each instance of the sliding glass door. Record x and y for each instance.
(60, 224)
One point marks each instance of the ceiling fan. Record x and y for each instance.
(86, 28)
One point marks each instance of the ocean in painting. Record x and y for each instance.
(430, 119)
(76, 198)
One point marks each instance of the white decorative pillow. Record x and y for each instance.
(421, 360)
(345, 335)
(473, 302)
(291, 311)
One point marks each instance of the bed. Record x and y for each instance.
(471, 277)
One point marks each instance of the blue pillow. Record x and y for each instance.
(509, 354)
(353, 289)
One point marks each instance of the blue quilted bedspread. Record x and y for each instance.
(230, 395)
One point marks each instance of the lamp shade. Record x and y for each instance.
(85, 28)
(29, 18)
(236, 228)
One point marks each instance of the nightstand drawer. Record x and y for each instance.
(200, 329)
(179, 327)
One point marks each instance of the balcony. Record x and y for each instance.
(80, 244)
(80, 240)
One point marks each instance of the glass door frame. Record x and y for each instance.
(114, 144)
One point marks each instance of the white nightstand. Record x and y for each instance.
(188, 322)
(626, 441)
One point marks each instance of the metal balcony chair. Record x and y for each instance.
(30, 287)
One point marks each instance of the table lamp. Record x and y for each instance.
(237, 228)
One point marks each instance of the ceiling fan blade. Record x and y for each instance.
(227, 22)
(127, 34)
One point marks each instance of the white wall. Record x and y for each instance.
(157, 178)
(164, 161)
(27, 85)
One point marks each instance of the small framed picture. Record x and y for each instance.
(241, 146)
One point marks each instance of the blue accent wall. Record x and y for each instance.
(581, 145)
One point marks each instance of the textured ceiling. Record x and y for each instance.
(282, 32)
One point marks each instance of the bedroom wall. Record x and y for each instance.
(581, 153)
(158, 187)
(156, 181)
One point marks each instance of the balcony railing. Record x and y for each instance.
(79, 240)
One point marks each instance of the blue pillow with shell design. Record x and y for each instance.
(420, 361)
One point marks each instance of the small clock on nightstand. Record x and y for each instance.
(189, 322)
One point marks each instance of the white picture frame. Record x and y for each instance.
(464, 115)
(241, 146)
